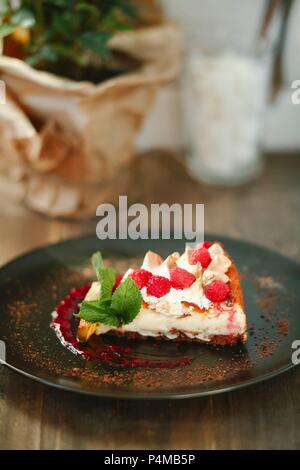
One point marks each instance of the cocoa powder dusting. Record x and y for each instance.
(282, 327)
(273, 303)
(37, 344)
(267, 348)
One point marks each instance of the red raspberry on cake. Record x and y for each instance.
(217, 291)
(158, 286)
(202, 256)
(206, 244)
(181, 278)
(141, 277)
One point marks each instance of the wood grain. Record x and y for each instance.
(266, 415)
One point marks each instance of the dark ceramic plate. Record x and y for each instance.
(32, 285)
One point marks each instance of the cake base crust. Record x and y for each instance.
(215, 340)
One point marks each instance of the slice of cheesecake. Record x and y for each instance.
(193, 297)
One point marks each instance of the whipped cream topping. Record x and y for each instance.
(183, 262)
(155, 264)
(170, 304)
(218, 266)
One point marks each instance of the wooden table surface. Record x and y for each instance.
(267, 415)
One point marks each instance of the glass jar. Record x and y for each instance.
(224, 102)
(226, 82)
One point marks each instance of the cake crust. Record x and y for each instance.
(214, 340)
(236, 291)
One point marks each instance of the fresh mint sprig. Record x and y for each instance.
(107, 279)
(112, 308)
(127, 300)
(93, 311)
(97, 262)
(106, 276)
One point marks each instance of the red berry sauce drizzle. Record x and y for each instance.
(65, 326)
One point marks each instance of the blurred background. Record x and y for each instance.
(187, 101)
(163, 101)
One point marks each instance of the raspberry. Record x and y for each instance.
(117, 282)
(217, 291)
(206, 244)
(141, 277)
(202, 256)
(158, 286)
(180, 278)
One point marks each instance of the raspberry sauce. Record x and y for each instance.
(65, 326)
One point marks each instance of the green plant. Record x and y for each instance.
(76, 31)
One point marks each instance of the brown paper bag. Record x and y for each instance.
(61, 141)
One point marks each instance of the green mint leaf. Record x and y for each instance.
(113, 309)
(127, 300)
(107, 278)
(93, 312)
(97, 262)
(89, 310)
